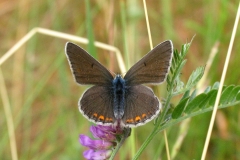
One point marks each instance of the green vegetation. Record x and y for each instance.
(43, 95)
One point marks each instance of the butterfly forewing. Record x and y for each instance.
(96, 105)
(141, 106)
(153, 67)
(85, 69)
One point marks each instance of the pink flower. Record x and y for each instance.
(94, 144)
(97, 155)
(103, 132)
(101, 147)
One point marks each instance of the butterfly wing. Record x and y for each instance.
(153, 67)
(96, 105)
(85, 69)
(141, 106)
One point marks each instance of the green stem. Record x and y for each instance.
(146, 142)
(116, 149)
(160, 119)
(126, 133)
(157, 126)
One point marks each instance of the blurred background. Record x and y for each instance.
(43, 95)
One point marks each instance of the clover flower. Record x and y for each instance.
(101, 147)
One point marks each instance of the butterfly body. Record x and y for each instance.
(120, 100)
(118, 91)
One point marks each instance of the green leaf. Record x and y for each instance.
(238, 97)
(195, 77)
(176, 76)
(223, 88)
(179, 108)
(207, 89)
(193, 95)
(173, 64)
(171, 70)
(195, 103)
(177, 64)
(186, 94)
(213, 95)
(204, 102)
(215, 85)
(178, 71)
(184, 50)
(225, 96)
(234, 93)
(179, 85)
(168, 80)
(176, 56)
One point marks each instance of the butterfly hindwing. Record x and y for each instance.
(141, 106)
(85, 69)
(96, 105)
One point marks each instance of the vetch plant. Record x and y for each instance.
(110, 138)
(191, 104)
(37, 80)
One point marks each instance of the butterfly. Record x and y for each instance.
(120, 100)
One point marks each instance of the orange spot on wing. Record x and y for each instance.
(109, 120)
(137, 119)
(129, 120)
(94, 114)
(144, 115)
(101, 117)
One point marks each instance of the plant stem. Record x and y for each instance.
(126, 133)
(157, 126)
